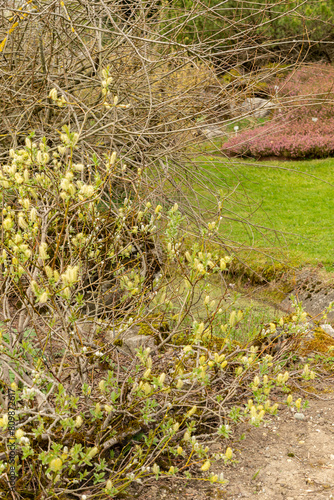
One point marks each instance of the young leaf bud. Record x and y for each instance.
(56, 464)
(206, 466)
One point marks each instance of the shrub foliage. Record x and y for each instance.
(89, 415)
(97, 246)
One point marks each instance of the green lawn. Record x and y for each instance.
(292, 201)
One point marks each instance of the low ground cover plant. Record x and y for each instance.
(302, 122)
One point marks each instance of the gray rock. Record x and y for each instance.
(257, 107)
(87, 327)
(299, 416)
(314, 292)
(130, 344)
(130, 340)
(127, 341)
(211, 131)
(328, 329)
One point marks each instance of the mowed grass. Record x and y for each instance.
(288, 206)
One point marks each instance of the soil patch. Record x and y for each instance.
(284, 459)
(287, 458)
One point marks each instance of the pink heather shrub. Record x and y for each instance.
(303, 121)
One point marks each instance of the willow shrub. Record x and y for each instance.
(91, 419)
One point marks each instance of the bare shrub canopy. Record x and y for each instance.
(142, 80)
